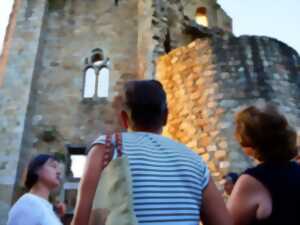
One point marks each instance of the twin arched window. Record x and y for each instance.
(96, 76)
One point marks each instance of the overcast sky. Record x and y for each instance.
(5, 8)
(274, 18)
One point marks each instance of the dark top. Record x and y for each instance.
(283, 183)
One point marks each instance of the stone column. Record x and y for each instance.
(15, 94)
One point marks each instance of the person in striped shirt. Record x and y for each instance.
(171, 184)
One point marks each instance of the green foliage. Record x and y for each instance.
(60, 156)
(49, 134)
(56, 4)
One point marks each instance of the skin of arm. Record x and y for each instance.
(213, 210)
(88, 184)
(249, 200)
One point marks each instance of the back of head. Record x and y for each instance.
(267, 132)
(233, 177)
(34, 165)
(147, 103)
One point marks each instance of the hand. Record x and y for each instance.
(60, 209)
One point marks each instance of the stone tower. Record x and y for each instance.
(187, 44)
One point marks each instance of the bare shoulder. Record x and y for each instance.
(96, 151)
(94, 161)
(249, 200)
(247, 184)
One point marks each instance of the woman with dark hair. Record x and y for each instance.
(268, 193)
(171, 184)
(33, 208)
(229, 182)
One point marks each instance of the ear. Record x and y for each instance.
(249, 151)
(166, 117)
(124, 119)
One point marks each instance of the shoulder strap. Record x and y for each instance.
(119, 144)
(108, 154)
(109, 148)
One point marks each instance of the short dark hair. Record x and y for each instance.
(267, 132)
(35, 164)
(147, 102)
(233, 177)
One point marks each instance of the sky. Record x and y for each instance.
(275, 18)
(5, 9)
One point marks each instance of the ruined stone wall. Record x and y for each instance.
(254, 69)
(209, 80)
(8, 39)
(224, 21)
(187, 74)
(41, 106)
(161, 28)
(71, 31)
(217, 17)
(15, 94)
(146, 41)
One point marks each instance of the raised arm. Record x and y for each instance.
(88, 185)
(213, 209)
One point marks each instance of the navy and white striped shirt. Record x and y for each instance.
(168, 179)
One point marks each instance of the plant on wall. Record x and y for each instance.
(49, 134)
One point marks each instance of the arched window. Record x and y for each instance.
(103, 83)
(96, 76)
(201, 16)
(89, 83)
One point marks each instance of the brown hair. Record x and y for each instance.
(267, 132)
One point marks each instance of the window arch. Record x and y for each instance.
(90, 78)
(103, 83)
(96, 76)
(201, 16)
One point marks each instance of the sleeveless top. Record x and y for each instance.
(283, 183)
(168, 179)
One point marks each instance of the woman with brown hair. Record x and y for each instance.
(270, 192)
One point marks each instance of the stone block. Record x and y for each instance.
(211, 148)
(212, 166)
(223, 144)
(192, 45)
(204, 141)
(220, 155)
(206, 157)
(200, 151)
(211, 104)
(192, 144)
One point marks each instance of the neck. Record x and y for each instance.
(40, 190)
(139, 129)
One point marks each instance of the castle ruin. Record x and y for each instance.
(53, 46)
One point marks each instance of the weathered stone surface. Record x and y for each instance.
(237, 72)
(15, 94)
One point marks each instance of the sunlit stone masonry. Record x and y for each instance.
(210, 79)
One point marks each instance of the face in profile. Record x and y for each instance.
(49, 174)
(228, 186)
